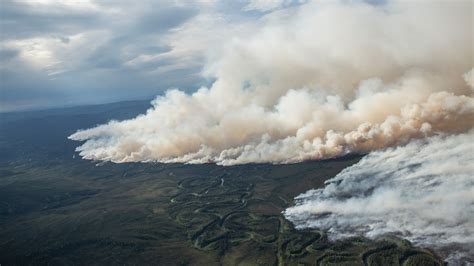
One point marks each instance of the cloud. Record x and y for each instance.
(265, 5)
(423, 192)
(91, 51)
(28, 19)
(315, 81)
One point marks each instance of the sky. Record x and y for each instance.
(59, 53)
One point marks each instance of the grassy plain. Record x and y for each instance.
(74, 212)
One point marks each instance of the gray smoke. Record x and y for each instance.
(423, 191)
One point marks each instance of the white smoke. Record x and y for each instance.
(423, 191)
(315, 81)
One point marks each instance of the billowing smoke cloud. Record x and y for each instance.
(315, 81)
(423, 191)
